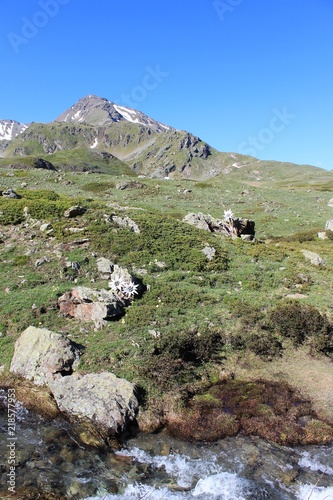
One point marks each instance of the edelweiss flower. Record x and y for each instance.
(130, 289)
(117, 284)
(228, 215)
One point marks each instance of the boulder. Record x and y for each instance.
(9, 193)
(86, 304)
(104, 399)
(330, 203)
(42, 356)
(322, 235)
(74, 211)
(313, 257)
(105, 267)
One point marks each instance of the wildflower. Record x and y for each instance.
(129, 289)
(228, 215)
(116, 285)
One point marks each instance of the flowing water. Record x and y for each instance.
(157, 467)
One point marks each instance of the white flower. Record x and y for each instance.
(117, 284)
(129, 289)
(228, 215)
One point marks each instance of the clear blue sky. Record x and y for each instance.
(250, 76)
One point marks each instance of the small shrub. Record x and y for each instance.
(21, 260)
(299, 322)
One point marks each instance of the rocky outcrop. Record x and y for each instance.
(104, 399)
(88, 305)
(43, 356)
(231, 227)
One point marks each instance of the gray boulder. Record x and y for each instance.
(9, 193)
(74, 211)
(104, 399)
(232, 227)
(105, 267)
(42, 356)
(313, 257)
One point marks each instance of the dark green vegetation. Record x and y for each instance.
(196, 314)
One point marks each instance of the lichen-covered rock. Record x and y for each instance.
(42, 355)
(106, 400)
(86, 304)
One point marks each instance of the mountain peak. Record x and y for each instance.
(9, 129)
(99, 111)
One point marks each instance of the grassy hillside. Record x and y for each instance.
(198, 320)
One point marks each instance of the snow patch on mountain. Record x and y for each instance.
(9, 129)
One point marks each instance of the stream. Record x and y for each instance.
(157, 467)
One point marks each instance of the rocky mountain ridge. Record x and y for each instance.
(9, 129)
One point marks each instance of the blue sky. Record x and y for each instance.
(248, 76)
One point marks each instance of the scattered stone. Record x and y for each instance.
(40, 262)
(130, 185)
(313, 257)
(42, 356)
(330, 203)
(322, 235)
(209, 252)
(45, 227)
(75, 229)
(74, 211)
(23, 185)
(126, 223)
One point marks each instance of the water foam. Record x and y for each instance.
(317, 493)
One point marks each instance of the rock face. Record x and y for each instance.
(231, 227)
(86, 304)
(43, 356)
(103, 398)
